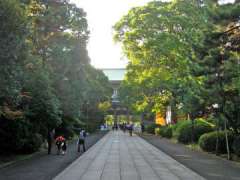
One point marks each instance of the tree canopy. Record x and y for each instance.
(45, 72)
(184, 54)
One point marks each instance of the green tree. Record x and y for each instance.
(220, 65)
(13, 51)
(160, 41)
(45, 72)
(42, 108)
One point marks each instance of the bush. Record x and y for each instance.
(32, 143)
(176, 126)
(165, 131)
(151, 128)
(18, 137)
(184, 131)
(236, 146)
(207, 141)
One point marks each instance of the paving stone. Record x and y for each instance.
(92, 175)
(118, 156)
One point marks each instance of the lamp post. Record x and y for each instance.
(127, 109)
(115, 103)
(87, 103)
(216, 106)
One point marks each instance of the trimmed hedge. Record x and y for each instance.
(236, 145)
(165, 131)
(207, 142)
(184, 131)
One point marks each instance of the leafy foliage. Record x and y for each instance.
(151, 128)
(208, 141)
(236, 145)
(18, 137)
(165, 131)
(45, 72)
(12, 51)
(184, 54)
(199, 128)
(160, 45)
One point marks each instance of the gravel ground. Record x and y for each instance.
(43, 166)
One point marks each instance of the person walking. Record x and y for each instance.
(124, 127)
(142, 127)
(50, 139)
(130, 128)
(81, 140)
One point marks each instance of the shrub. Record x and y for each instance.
(151, 128)
(32, 143)
(165, 131)
(184, 131)
(18, 137)
(175, 127)
(236, 145)
(207, 141)
(157, 131)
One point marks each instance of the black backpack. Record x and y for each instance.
(84, 134)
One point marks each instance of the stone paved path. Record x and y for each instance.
(120, 157)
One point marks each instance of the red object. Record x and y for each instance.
(60, 138)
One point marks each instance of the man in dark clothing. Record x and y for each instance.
(50, 139)
(130, 129)
(142, 127)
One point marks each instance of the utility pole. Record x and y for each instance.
(221, 76)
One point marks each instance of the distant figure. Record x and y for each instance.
(50, 139)
(61, 145)
(115, 126)
(103, 127)
(81, 140)
(130, 128)
(142, 127)
(124, 127)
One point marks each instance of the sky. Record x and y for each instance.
(101, 16)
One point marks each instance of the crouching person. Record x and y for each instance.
(61, 145)
(81, 140)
